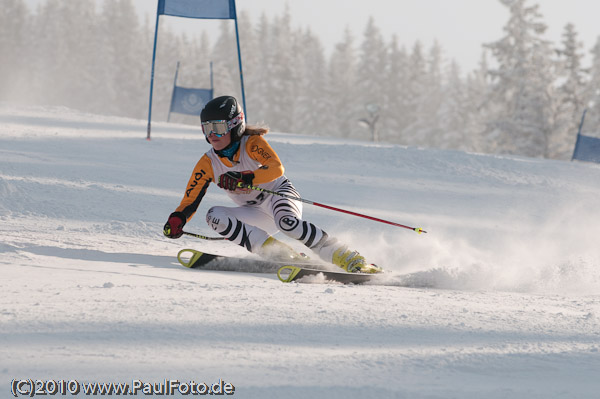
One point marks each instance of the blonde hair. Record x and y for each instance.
(256, 130)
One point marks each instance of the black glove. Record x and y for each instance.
(174, 226)
(231, 180)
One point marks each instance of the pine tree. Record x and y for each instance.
(592, 118)
(371, 72)
(479, 106)
(311, 82)
(571, 96)
(341, 89)
(453, 114)
(14, 18)
(124, 77)
(99, 61)
(252, 65)
(225, 63)
(259, 83)
(83, 66)
(282, 95)
(52, 52)
(416, 89)
(430, 125)
(394, 112)
(523, 83)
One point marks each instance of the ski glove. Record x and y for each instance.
(174, 226)
(231, 180)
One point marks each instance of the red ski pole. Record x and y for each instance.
(417, 229)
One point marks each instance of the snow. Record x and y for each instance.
(499, 299)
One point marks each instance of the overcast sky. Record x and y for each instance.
(460, 26)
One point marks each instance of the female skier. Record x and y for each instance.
(241, 157)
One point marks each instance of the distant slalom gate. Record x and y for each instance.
(189, 101)
(586, 148)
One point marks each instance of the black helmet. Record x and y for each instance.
(225, 108)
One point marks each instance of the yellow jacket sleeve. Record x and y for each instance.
(259, 150)
(196, 187)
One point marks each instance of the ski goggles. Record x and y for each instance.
(218, 128)
(221, 127)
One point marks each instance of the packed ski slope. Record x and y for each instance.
(499, 300)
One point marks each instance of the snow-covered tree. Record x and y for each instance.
(570, 94)
(523, 82)
(415, 95)
(453, 115)
(342, 90)
(252, 65)
(394, 110)
(529, 102)
(311, 83)
(432, 126)
(592, 118)
(281, 100)
(371, 72)
(478, 105)
(226, 70)
(83, 64)
(124, 79)
(258, 78)
(14, 25)
(51, 52)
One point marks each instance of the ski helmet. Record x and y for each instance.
(225, 108)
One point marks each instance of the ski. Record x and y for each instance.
(290, 273)
(193, 259)
(287, 271)
(196, 258)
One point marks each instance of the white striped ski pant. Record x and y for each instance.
(250, 225)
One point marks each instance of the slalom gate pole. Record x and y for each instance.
(204, 237)
(264, 190)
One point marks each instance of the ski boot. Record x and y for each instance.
(353, 262)
(274, 249)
